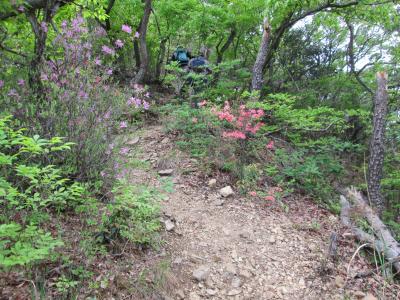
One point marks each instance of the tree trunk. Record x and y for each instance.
(40, 33)
(142, 74)
(376, 148)
(136, 48)
(220, 52)
(258, 68)
(160, 60)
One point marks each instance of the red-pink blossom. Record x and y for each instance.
(270, 145)
(270, 198)
(203, 103)
(234, 134)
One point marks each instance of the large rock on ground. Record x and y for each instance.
(226, 191)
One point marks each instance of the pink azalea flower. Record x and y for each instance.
(126, 28)
(203, 103)
(109, 72)
(107, 115)
(137, 34)
(123, 124)
(12, 93)
(146, 105)
(124, 151)
(235, 135)
(97, 61)
(44, 27)
(253, 193)
(270, 198)
(44, 77)
(107, 50)
(270, 145)
(21, 82)
(119, 43)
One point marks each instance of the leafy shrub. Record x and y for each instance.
(25, 246)
(28, 185)
(133, 216)
(312, 173)
(81, 100)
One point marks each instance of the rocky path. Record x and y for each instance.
(239, 247)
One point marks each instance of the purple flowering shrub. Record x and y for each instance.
(82, 100)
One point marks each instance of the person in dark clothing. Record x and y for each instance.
(199, 65)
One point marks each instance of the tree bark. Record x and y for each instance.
(258, 68)
(32, 5)
(271, 39)
(376, 147)
(229, 41)
(142, 73)
(40, 33)
(160, 60)
(136, 48)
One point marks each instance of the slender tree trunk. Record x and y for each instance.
(229, 41)
(108, 11)
(142, 74)
(258, 68)
(40, 33)
(351, 60)
(161, 56)
(136, 48)
(376, 148)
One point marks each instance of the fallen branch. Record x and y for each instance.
(381, 240)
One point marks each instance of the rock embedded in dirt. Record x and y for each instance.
(194, 296)
(244, 273)
(169, 225)
(231, 269)
(165, 141)
(370, 297)
(233, 292)
(180, 294)
(211, 292)
(133, 141)
(212, 182)
(201, 273)
(226, 191)
(218, 202)
(166, 172)
(236, 282)
(268, 295)
(339, 282)
(359, 294)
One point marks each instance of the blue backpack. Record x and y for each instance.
(182, 56)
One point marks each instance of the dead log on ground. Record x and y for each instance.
(381, 240)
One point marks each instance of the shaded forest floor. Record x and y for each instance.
(240, 247)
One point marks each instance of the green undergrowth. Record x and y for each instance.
(309, 156)
(43, 208)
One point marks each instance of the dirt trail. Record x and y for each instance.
(238, 247)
